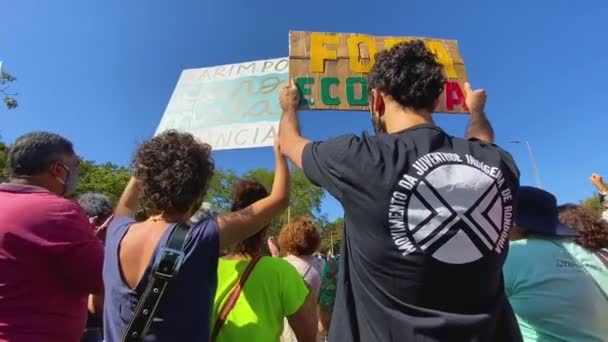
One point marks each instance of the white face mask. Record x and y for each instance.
(71, 181)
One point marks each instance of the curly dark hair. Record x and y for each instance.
(593, 230)
(175, 169)
(299, 237)
(247, 192)
(409, 73)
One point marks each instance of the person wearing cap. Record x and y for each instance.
(547, 275)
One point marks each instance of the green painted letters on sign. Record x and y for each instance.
(350, 91)
(326, 97)
(305, 93)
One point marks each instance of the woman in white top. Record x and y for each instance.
(299, 240)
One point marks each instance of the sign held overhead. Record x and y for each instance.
(229, 106)
(331, 69)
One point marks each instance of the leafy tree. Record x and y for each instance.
(6, 80)
(108, 179)
(306, 198)
(3, 162)
(593, 203)
(220, 190)
(331, 236)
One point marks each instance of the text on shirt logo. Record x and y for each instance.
(456, 210)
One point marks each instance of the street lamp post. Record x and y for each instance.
(539, 184)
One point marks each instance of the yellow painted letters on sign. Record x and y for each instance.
(390, 42)
(443, 57)
(331, 69)
(319, 52)
(354, 53)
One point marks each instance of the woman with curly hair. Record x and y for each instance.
(171, 174)
(593, 231)
(273, 290)
(553, 275)
(299, 239)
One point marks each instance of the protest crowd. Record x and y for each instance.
(441, 243)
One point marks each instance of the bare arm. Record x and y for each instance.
(127, 206)
(479, 126)
(240, 225)
(599, 183)
(292, 143)
(96, 304)
(304, 322)
(324, 320)
(272, 247)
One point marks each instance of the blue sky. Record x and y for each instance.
(102, 72)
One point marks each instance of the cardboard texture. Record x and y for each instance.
(331, 69)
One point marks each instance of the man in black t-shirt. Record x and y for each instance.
(427, 215)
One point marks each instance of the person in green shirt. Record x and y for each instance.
(554, 276)
(273, 291)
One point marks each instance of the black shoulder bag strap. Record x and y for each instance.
(170, 261)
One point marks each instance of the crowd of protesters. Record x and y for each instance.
(423, 258)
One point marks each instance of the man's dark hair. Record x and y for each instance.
(96, 205)
(410, 74)
(32, 153)
(175, 170)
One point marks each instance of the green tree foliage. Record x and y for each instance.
(593, 203)
(108, 179)
(331, 236)
(306, 198)
(3, 162)
(220, 190)
(6, 80)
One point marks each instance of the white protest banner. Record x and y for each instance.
(229, 106)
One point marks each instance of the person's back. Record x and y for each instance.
(50, 259)
(273, 291)
(423, 251)
(327, 293)
(194, 284)
(427, 215)
(299, 239)
(554, 276)
(554, 297)
(171, 175)
(98, 208)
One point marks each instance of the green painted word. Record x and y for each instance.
(307, 84)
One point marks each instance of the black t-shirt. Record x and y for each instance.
(427, 223)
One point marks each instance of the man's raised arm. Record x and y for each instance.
(479, 126)
(292, 143)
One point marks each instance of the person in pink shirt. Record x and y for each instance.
(50, 258)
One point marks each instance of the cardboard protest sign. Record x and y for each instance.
(331, 69)
(229, 106)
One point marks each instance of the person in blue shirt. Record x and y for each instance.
(171, 174)
(554, 276)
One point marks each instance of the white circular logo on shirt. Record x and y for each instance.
(457, 210)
